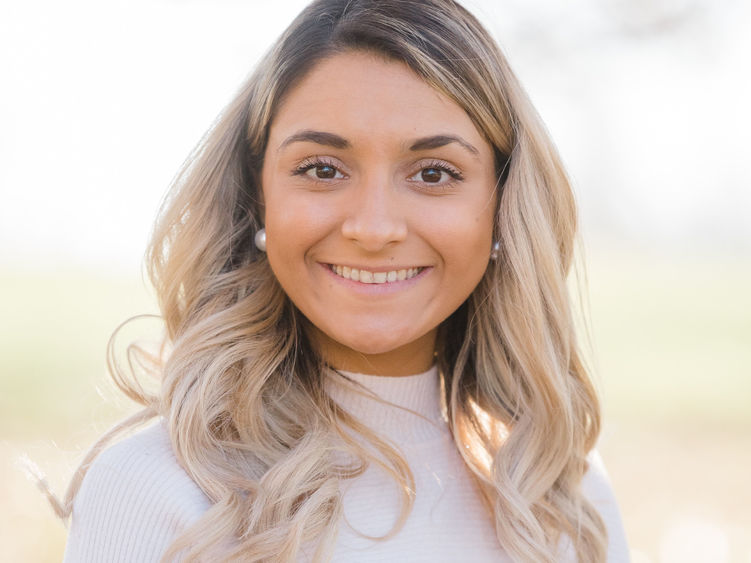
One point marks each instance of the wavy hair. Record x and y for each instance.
(242, 386)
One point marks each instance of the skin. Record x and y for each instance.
(369, 167)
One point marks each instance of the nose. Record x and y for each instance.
(376, 216)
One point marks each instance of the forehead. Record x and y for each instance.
(364, 94)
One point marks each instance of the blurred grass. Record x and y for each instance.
(673, 339)
(54, 395)
(673, 350)
(54, 334)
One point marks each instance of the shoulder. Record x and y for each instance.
(598, 490)
(134, 501)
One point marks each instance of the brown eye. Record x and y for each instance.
(436, 175)
(431, 175)
(318, 170)
(325, 172)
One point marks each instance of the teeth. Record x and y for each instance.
(365, 276)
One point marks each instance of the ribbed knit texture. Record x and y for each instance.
(136, 499)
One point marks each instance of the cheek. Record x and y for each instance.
(287, 218)
(466, 237)
(294, 225)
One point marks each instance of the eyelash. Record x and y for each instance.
(443, 166)
(456, 176)
(314, 162)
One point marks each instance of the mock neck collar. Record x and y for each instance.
(414, 413)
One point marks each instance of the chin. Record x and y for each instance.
(371, 347)
(374, 341)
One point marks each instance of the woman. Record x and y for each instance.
(362, 275)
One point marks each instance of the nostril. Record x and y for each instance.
(374, 233)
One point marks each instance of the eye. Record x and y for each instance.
(318, 170)
(431, 175)
(436, 173)
(323, 172)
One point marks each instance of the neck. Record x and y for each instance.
(412, 358)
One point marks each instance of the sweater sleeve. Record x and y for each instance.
(134, 501)
(598, 490)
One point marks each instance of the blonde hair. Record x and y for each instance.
(242, 387)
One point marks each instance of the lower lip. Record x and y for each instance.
(377, 288)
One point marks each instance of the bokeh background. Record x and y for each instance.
(648, 101)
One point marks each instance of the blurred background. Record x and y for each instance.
(648, 101)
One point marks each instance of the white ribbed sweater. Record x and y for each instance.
(136, 499)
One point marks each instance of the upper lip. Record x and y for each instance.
(389, 268)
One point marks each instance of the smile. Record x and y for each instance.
(366, 276)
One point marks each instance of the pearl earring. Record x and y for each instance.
(260, 240)
(496, 251)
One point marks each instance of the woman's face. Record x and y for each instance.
(379, 202)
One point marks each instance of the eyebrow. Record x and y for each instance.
(318, 137)
(338, 142)
(436, 141)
